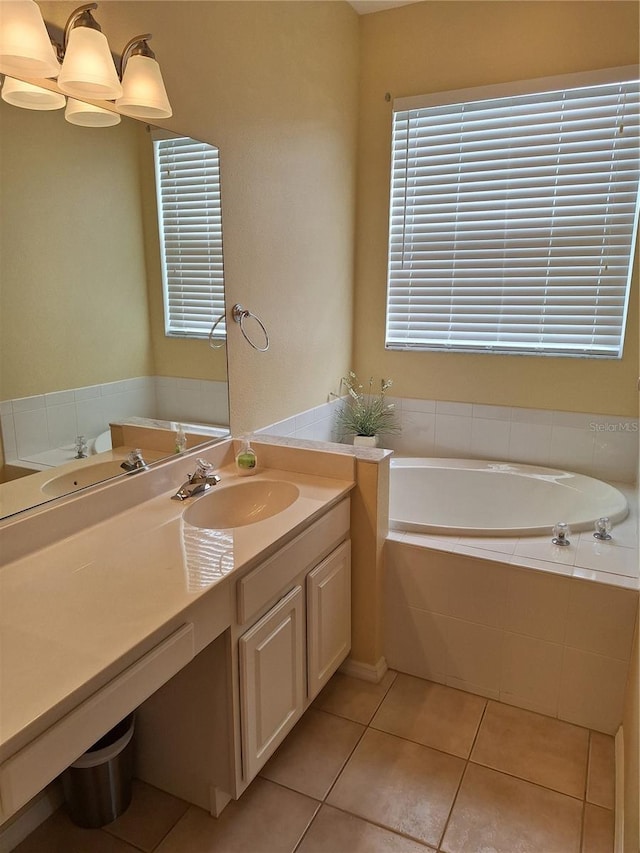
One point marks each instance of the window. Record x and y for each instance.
(514, 212)
(190, 219)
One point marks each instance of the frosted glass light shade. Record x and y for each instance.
(25, 46)
(21, 94)
(143, 91)
(88, 70)
(86, 115)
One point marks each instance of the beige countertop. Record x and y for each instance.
(77, 612)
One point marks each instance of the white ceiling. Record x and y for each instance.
(363, 7)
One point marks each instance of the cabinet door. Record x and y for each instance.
(271, 680)
(328, 617)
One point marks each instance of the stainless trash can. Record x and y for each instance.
(97, 787)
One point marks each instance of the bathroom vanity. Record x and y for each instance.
(220, 637)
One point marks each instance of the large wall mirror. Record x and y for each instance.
(82, 341)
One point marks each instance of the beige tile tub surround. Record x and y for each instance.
(553, 644)
(488, 810)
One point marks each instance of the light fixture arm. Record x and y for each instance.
(81, 17)
(137, 46)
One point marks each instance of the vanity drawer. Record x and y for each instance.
(270, 579)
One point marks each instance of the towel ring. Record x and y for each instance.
(240, 314)
(213, 328)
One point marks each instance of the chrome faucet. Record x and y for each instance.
(198, 483)
(134, 461)
(81, 447)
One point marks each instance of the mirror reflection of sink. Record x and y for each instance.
(242, 503)
(79, 478)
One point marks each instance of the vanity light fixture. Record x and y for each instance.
(30, 97)
(25, 46)
(144, 95)
(88, 115)
(88, 69)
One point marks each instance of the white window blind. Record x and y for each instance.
(190, 219)
(513, 219)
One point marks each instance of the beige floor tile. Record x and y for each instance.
(539, 749)
(59, 835)
(313, 755)
(431, 714)
(401, 785)
(598, 830)
(501, 814)
(149, 818)
(354, 698)
(266, 819)
(333, 831)
(601, 777)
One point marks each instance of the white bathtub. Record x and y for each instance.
(477, 498)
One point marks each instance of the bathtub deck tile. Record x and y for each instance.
(542, 565)
(478, 551)
(608, 557)
(428, 540)
(620, 581)
(500, 544)
(542, 548)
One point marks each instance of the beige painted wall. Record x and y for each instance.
(437, 46)
(274, 85)
(73, 304)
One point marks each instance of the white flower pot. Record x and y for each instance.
(365, 440)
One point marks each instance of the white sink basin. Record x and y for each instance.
(79, 478)
(242, 503)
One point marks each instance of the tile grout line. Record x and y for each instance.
(586, 790)
(463, 774)
(365, 728)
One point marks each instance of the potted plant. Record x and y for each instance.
(366, 415)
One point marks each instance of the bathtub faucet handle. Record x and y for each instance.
(561, 532)
(603, 529)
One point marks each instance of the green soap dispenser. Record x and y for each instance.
(246, 460)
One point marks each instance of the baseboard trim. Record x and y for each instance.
(618, 842)
(365, 671)
(30, 816)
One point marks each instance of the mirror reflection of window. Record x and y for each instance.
(190, 224)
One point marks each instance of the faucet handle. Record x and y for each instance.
(203, 469)
(81, 447)
(134, 461)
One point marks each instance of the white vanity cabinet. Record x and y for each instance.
(226, 713)
(291, 651)
(328, 618)
(272, 670)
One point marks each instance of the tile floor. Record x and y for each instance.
(404, 766)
